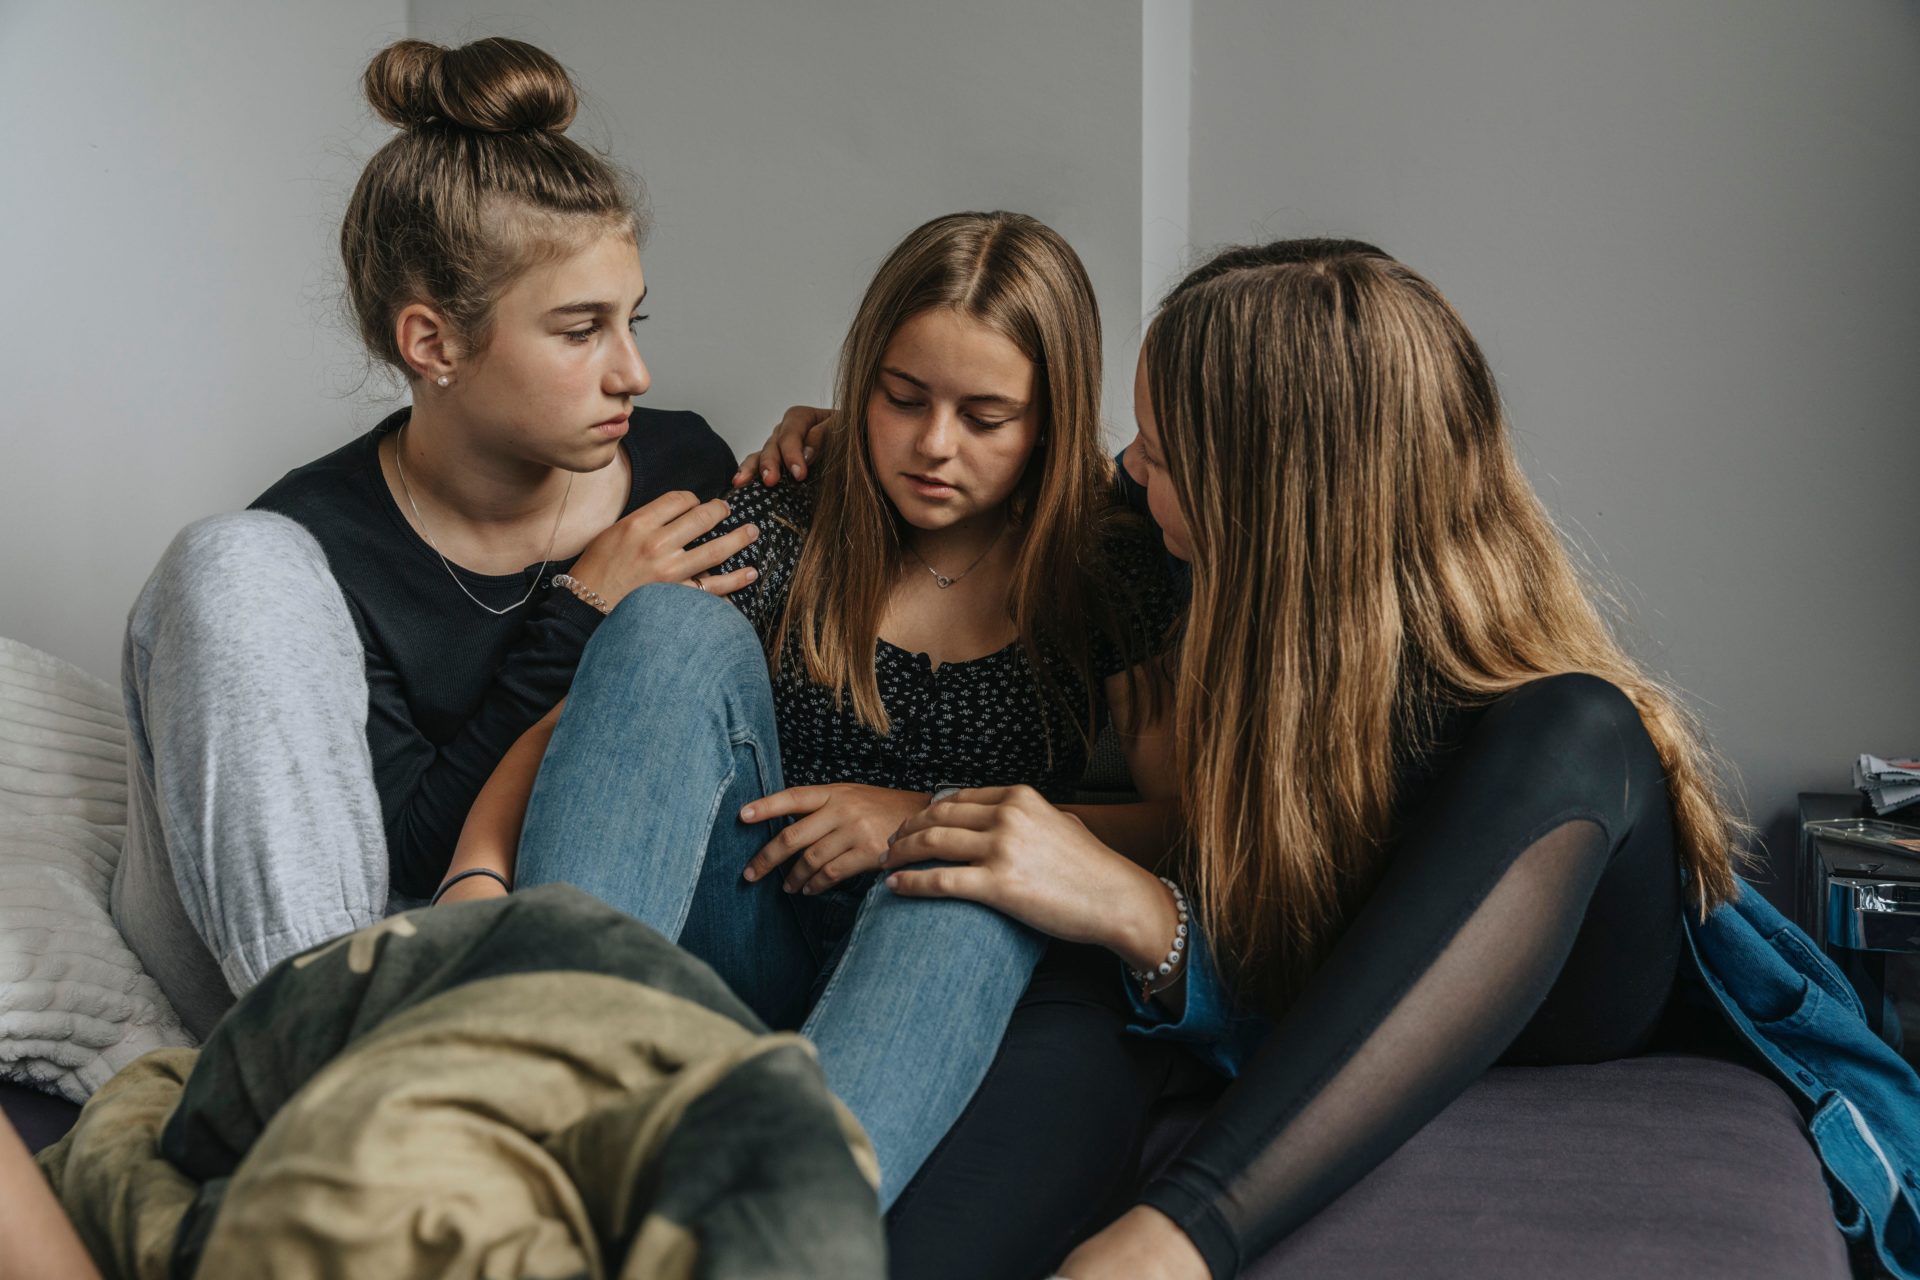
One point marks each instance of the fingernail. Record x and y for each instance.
(788, 888)
(766, 474)
(749, 875)
(799, 471)
(746, 814)
(807, 453)
(752, 574)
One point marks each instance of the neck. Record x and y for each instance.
(953, 548)
(447, 467)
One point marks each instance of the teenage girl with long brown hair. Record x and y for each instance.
(1437, 819)
(956, 599)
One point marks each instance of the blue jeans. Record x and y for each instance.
(668, 731)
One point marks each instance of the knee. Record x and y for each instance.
(958, 928)
(251, 559)
(672, 630)
(244, 548)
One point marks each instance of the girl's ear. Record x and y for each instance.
(425, 340)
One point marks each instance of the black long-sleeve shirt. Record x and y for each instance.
(450, 686)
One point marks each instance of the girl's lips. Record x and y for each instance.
(612, 428)
(930, 488)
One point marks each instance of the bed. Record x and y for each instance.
(1665, 1165)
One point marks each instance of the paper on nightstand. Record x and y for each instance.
(1889, 784)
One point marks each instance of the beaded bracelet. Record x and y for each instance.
(1153, 981)
(593, 599)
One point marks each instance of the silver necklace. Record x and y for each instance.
(942, 580)
(421, 520)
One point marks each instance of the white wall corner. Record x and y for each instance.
(1166, 113)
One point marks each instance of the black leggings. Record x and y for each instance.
(1530, 914)
(1046, 1152)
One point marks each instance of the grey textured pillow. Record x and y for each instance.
(75, 1004)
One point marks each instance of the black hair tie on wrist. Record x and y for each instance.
(471, 871)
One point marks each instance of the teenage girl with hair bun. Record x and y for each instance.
(318, 687)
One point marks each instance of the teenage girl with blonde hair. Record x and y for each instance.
(1437, 819)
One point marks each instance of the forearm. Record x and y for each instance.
(36, 1238)
(490, 838)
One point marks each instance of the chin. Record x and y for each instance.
(920, 517)
(919, 512)
(592, 456)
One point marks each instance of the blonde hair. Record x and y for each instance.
(1365, 549)
(480, 186)
(1018, 277)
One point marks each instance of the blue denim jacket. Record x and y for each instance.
(1860, 1098)
(1785, 999)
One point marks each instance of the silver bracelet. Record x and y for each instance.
(586, 593)
(1153, 981)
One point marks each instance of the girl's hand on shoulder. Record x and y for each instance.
(792, 445)
(842, 831)
(1020, 855)
(656, 543)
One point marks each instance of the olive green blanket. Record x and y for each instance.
(530, 1086)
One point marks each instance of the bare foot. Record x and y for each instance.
(1144, 1244)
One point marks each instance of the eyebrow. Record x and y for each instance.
(586, 308)
(1005, 401)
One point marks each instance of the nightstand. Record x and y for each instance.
(1861, 904)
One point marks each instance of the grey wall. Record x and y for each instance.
(171, 181)
(1166, 136)
(787, 147)
(174, 178)
(1686, 233)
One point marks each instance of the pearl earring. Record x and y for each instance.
(444, 380)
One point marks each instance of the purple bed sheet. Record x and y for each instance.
(1667, 1165)
(1664, 1165)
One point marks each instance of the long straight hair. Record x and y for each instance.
(1365, 549)
(1016, 276)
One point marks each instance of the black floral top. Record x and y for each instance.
(985, 722)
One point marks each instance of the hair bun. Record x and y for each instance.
(494, 85)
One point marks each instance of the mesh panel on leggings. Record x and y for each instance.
(1363, 1098)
